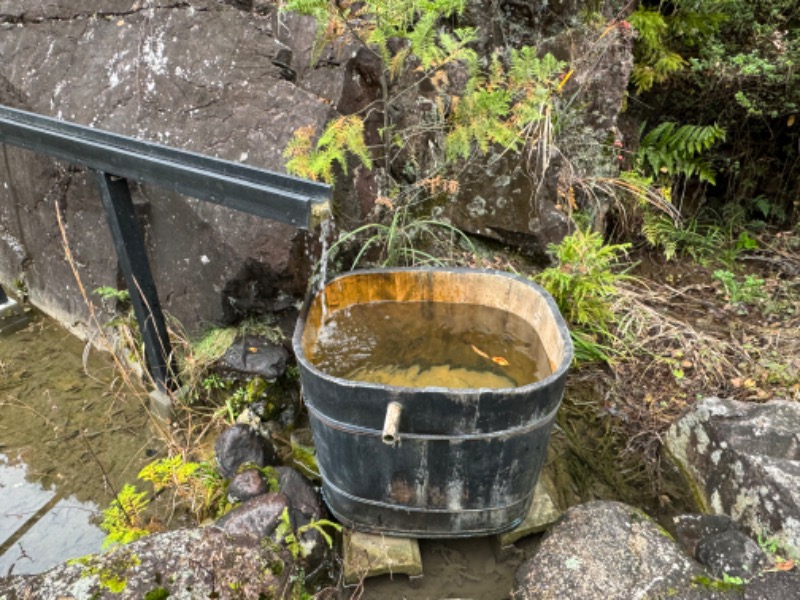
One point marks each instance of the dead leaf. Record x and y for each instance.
(785, 565)
(500, 361)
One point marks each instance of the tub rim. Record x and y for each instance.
(556, 374)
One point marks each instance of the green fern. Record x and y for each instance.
(500, 106)
(687, 24)
(123, 521)
(168, 472)
(342, 136)
(660, 231)
(672, 150)
(655, 62)
(583, 282)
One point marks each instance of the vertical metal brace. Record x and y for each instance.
(3, 297)
(129, 243)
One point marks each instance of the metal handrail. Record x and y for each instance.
(116, 158)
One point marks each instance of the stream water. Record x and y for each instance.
(69, 437)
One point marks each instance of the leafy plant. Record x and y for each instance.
(124, 519)
(400, 242)
(293, 538)
(197, 484)
(661, 36)
(109, 293)
(701, 243)
(674, 150)
(316, 161)
(738, 69)
(584, 285)
(749, 290)
(583, 281)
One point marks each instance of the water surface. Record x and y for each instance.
(71, 433)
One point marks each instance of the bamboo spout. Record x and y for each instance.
(391, 424)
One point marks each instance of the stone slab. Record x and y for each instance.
(543, 513)
(12, 317)
(369, 555)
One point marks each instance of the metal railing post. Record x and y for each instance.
(117, 158)
(132, 256)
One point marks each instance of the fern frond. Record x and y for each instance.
(674, 150)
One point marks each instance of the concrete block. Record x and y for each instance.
(12, 317)
(369, 555)
(160, 404)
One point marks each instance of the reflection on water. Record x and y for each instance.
(430, 344)
(69, 436)
(40, 527)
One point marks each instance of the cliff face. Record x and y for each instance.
(197, 76)
(215, 78)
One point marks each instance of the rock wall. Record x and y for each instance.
(235, 79)
(196, 75)
(743, 460)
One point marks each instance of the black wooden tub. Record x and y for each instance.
(432, 462)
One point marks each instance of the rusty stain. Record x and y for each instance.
(402, 492)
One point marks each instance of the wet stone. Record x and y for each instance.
(255, 356)
(369, 555)
(691, 528)
(731, 553)
(186, 563)
(306, 506)
(305, 499)
(607, 550)
(742, 459)
(780, 585)
(241, 444)
(247, 484)
(257, 517)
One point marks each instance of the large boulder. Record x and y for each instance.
(198, 76)
(524, 198)
(743, 460)
(241, 445)
(608, 550)
(182, 564)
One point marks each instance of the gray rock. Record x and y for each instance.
(304, 497)
(258, 517)
(781, 585)
(691, 528)
(743, 460)
(306, 506)
(255, 356)
(247, 484)
(186, 564)
(195, 75)
(731, 553)
(522, 200)
(606, 550)
(241, 444)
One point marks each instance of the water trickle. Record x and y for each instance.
(326, 229)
